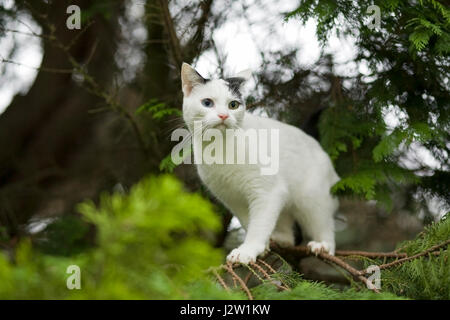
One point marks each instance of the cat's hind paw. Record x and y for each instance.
(317, 247)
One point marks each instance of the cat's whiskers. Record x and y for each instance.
(180, 125)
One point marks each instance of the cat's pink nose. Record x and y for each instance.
(222, 116)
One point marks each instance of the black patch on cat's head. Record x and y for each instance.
(234, 84)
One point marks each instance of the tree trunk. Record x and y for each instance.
(53, 151)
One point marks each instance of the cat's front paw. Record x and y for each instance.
(245, 254)
(317, 247)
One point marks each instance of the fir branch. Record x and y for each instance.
(170, 29)
(303, 251)
(221, 281)
(354, 272)
(268, 277)
(244, 287)
(432, 250)
(345, 253)
(299, 252)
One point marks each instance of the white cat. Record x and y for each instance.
(266, 205)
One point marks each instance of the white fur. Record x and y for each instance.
(267, 206)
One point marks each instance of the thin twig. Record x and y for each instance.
(355, 273)
(254, 272)
(45, 69)
(400, 261)
(345, 253)
(221, 281)
(29, 34)
(170, 29)
(268, 277)
(247, 278)
(78, 35)
(229, 267)
(267, 265)
(304, 251)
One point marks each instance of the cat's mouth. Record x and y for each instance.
(221, 125)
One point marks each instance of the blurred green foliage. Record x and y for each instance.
(158, 110)
(150, 244)
(66, 236)
(154, 243)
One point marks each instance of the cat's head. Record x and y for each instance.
(216, 103)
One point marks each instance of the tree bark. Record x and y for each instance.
(53, 151)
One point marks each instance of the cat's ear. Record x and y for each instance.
(189, 78)
(236, 82)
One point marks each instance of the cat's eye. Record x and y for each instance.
(208, 103)
(233, 105)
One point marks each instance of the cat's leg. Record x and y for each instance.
(315, 216)
(263, 214)
(241, 214)
(284, 230)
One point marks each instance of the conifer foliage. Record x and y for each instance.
(151, 244)
(407, 56)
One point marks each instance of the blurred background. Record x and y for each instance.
(88, 110)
